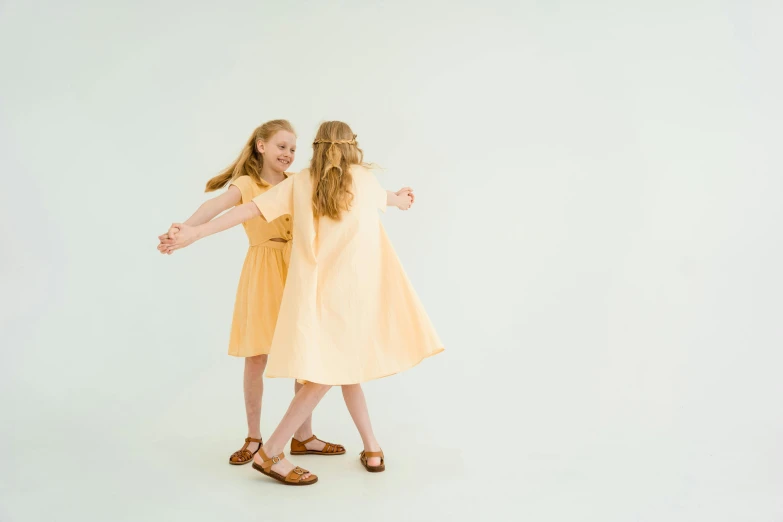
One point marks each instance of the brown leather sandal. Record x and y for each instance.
(294, 477)
(244, 455)
(364, 455)
(299, 448)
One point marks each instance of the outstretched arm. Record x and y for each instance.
(207, 211)
(215, 206)
(182, 234)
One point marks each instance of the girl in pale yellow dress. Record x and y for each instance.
(349, 313)
(261, 165)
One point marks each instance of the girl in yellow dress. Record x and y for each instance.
(261, 165)
(349, 313)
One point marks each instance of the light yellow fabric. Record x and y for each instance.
(349, 313)
(262, 280)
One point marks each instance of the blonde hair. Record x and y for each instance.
(334, 151)
(250, 161)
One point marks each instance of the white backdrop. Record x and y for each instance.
(596, 238)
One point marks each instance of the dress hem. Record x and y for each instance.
(304, 380)
(246, 356)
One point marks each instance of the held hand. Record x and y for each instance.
(166, 240)
(163, 241)
(173, 229)
(180, 236)
(404, 201)
(407, 190)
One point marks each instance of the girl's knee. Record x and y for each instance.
(318, 388)
(257, 361)
(348, 388)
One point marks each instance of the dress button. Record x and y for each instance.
(287, 219)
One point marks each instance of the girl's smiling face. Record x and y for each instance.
(279, 151)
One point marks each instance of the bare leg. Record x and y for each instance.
(305, 431)
(254, 391)
(357, 407)
(301, 407)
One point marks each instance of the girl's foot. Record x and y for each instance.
(314, 446)
(245, 454)
(372, 460)
(284, 470)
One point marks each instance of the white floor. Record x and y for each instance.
(118, 463)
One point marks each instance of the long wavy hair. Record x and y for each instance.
(250, 161)
(334, 151)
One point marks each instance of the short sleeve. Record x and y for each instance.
(244, 184)
(379, 193)
(277, 201)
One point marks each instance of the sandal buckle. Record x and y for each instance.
(275, 459)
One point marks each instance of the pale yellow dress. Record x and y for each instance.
(263, 277)
(349, 313)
